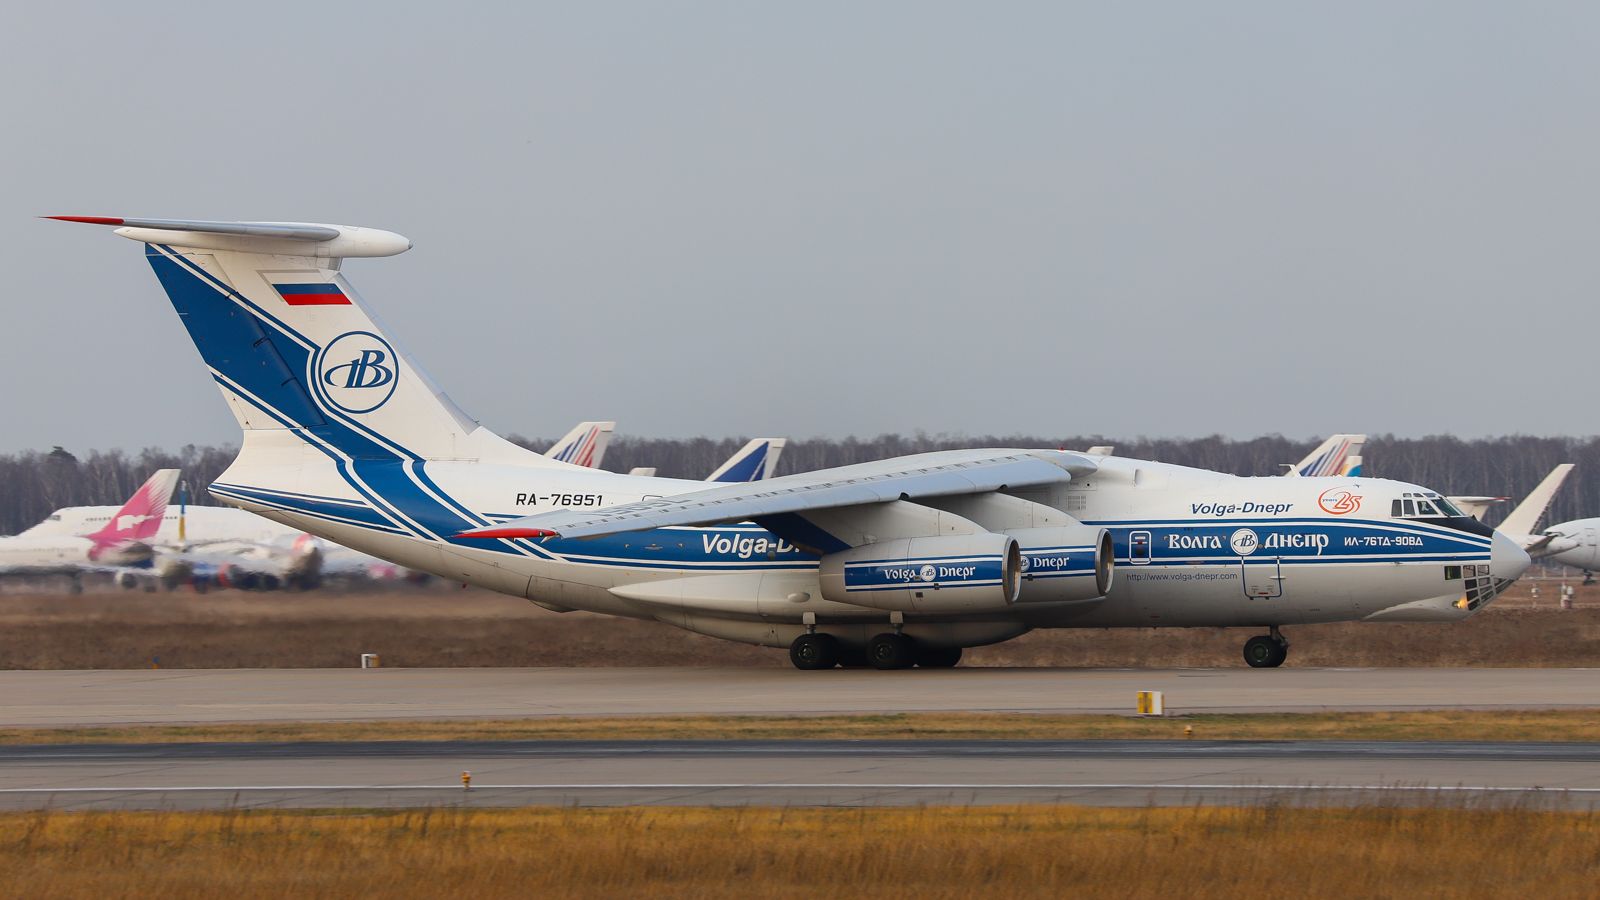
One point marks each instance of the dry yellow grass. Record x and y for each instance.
(1442, 725)
(452, 627)
(932, 852)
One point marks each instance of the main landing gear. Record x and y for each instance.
(1266, 651)
(890, 650)
(814, 651)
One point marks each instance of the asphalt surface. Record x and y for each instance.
(838, 773)
(113, 697)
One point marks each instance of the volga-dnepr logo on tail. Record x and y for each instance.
(357, 372)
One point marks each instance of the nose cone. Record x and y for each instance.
(1507, 559)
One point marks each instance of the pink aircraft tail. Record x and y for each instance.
(140, 518)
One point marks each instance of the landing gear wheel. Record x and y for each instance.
(814, 651)
(1263, 652)
(891, 651)
(938, 657)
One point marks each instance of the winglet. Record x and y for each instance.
(495, 534)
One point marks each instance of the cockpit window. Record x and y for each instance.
(1415, 505)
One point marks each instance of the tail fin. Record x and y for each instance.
(140, 518)
(295, 349)
(755, 461)
(1331, 457)
(1524, 520)
(584, 445)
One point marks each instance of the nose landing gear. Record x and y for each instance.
(1266, 651)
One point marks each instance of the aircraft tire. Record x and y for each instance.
(938, 657)
(1263, 652)
(891, 651)
(811, 652)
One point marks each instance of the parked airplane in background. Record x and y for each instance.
(755, 461)
(122, 541)
(1522, 523)
(224, 547)
(1338, 456)
(1579, 540)
(897, 562)
(584, 445)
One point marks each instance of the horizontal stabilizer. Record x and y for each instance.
(286, 238)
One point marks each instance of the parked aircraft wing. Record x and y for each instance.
(939, 474)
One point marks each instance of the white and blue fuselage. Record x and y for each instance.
(346, 438)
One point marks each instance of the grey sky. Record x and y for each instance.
(835, 218)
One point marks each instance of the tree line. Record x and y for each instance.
(34, 483)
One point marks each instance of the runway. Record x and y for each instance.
(173, 696)
(835, 773)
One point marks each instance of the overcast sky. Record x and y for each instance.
(822, 219)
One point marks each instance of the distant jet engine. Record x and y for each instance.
(950, 574)
(1072, 562)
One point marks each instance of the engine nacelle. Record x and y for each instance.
(1072, 562)
(951, 574)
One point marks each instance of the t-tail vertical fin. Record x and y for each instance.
(296, 350)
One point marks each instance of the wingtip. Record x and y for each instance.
(87, 220)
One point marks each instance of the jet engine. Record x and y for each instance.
(1072, 562)
(964, 573)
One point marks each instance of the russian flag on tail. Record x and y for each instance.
(312, 294)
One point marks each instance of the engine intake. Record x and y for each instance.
(1072, 562)
(950, 574)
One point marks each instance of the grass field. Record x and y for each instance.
(1453, 725)
(929, 852)
(453, 627)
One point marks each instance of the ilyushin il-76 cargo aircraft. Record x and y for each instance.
(893, 563)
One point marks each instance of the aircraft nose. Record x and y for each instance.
(1507, 559)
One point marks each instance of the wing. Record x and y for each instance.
(926, 475)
